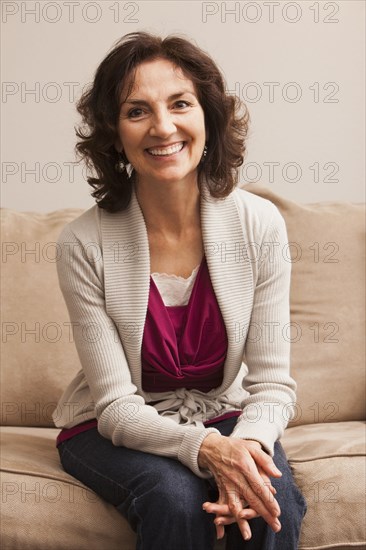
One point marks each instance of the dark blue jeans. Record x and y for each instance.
(162, 499)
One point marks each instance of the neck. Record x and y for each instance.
(170, 208)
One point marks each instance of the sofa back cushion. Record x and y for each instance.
(327, 253)
(39, 357)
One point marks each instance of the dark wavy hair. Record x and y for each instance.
(226, 117)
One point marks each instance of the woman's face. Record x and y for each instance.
(161, 126)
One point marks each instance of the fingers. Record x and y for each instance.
(218, 508)
(257, 493)
(224, 517)
(246, 514)
(262, 500)
(242, 522)
(251, 486)
(237, 512)
(258, 490)
(231, 509)
(267, 481)
(241, 470)
(220, 530)
(266, 463)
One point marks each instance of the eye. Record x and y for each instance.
(182, 104)
(135, 113)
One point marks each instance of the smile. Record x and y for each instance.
(166, 151)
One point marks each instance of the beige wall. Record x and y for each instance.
(299, 65)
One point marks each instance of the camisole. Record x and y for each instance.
(184, 346)
(174, 289)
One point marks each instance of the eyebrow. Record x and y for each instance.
(170, 98)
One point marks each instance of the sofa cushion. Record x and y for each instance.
(43, 507)
(327, 250)
(328, 463)
(39, 357)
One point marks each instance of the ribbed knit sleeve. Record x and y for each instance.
(270, 405)
(123, 416)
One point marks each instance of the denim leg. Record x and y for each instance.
(160, 497)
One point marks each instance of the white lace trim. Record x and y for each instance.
(174, 289)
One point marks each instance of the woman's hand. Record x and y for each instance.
(241, 470)
(224, 516)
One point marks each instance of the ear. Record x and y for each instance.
(118, 146)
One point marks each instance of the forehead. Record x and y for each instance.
(157, 78)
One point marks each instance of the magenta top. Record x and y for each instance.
(182, 347)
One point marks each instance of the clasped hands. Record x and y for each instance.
(241, 470)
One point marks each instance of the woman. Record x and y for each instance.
(176, 414)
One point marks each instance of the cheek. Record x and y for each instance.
(200, 129)
(200, 134)
(121, 138)
(127, 135)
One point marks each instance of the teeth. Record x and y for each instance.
(167, 150)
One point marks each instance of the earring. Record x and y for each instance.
(204, 153)
(122, 165)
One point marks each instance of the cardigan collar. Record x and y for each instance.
(126, 260)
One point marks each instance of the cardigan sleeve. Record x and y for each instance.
(270, 404)
(122, 414)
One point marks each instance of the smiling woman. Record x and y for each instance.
(162, 125)
(196, 85)
(176, 419)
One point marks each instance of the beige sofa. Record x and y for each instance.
(44, 508)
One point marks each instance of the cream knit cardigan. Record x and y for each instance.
(104, 275)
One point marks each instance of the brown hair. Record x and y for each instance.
(226, 117)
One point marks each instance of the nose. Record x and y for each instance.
(162, 124)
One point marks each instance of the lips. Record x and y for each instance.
(167, 150)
